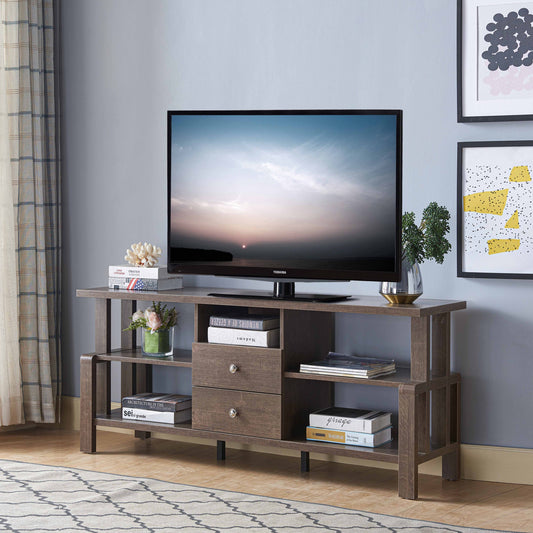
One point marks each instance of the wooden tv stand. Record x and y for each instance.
(271, 397)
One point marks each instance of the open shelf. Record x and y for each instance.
(402, 376)
(181, 358)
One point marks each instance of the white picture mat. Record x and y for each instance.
(476, 102)
(488, 169)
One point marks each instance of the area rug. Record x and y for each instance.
(39, 498)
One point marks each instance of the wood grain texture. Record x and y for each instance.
(451, 463)
(87, 403)
(258, 369)
(407, 443)
(257, 414)
(440, 345)
(128, 340)
(420, 348)
(102, 344)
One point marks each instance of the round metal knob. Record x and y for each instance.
(233, 413)
(233, 368)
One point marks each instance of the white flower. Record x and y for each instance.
(137, 316)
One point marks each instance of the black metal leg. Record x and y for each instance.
(221, 450)
(304, 461)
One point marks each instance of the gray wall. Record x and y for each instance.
(126, 62)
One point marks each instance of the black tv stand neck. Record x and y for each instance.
(284, 290)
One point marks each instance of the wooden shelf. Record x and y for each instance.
(182, 358)
(402, 376)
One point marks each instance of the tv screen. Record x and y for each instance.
(299, 195)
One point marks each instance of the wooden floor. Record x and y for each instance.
(464, 503)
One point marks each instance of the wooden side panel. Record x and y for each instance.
(420, 349)
(451, 463)
(128, 339)
(256, 414)
(407, 443)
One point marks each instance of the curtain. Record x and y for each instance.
(10, 377)
(33, 123)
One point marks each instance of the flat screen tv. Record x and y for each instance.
(285, 195)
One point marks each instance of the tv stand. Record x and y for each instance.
(284, 290)
(258, 396)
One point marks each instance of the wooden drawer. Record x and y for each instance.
(255, 414)
(236, 367)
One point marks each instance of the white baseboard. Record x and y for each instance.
(481, 463)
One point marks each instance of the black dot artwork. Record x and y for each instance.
(511, 40)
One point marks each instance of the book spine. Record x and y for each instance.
(241, 323)
(240, 337)
(348, 437)
(156, 406)
(165, 417)
(145, 284)
(125, 271)
(351, 424)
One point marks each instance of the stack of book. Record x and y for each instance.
(356, 427)
(244, 329)
(143, 278)
(157, 407)
(337, 364)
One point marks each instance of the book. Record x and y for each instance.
(243, 337)
(129, 271)
(350, 365)
(344, 418)
(353, 438)
(148, 415)
(156, 401)
(244, 321)
(145, 284)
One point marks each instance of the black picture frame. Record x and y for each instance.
(470, 106)
(490, 172)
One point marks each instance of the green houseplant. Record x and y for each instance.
(420, 242)
(157, 323)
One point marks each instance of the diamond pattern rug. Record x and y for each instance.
(39, 498)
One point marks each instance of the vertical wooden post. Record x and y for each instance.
(102, 344)
(127, 341)
(407, 443)
(440, 367)
(87, 404)
(451, 463)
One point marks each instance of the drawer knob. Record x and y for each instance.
(233, 413)
(233, 368)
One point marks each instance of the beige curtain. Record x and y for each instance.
(31, 103)
(11, 411)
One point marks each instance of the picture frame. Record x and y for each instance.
(494, 80)
(495, 209)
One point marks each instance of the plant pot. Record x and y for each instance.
(408, 289)
(159, 343)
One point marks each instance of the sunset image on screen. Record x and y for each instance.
(284, 187)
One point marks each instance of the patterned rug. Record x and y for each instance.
(40, 498)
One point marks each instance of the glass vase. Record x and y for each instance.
(159, 343)
(408, 289)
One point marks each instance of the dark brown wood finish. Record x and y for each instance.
(128, 340)
(279, 418)
(237, 367)
(102, 344)
(254, 414)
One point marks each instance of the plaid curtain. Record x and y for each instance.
(34, 153)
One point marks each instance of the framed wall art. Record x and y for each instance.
(494, 60)
(495, 209)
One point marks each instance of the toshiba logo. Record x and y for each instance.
(280, 271)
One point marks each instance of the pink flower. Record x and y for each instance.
(153, 320)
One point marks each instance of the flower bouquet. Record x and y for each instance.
(157, 323)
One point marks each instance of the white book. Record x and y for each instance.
(243, 337)
(129, 271)
(353, 438)
(342, 418)
(147, 415)
(145, 284)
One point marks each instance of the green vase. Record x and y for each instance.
(158, 343)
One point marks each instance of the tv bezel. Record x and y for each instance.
(288, 274)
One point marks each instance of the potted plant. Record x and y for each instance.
(426, 240)
(157, 325)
